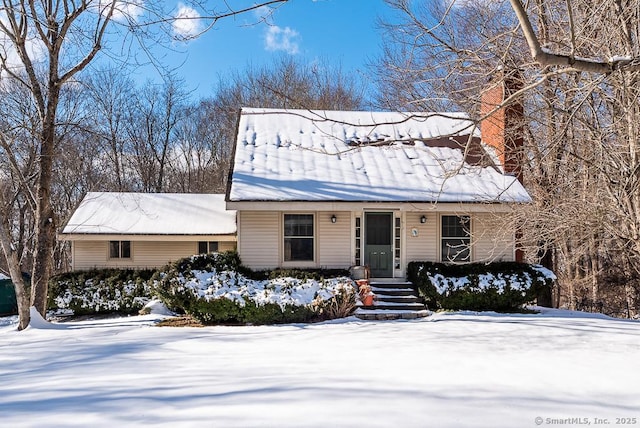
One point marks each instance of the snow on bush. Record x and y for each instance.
(280, 291)
(301, 299)
(497, 286)
(521, 282)
(219, 293)
(100, 291)
(214, 288)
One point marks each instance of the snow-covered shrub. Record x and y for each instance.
(341, 305)
(220, 292)
(304, 274)
(223, 261)
(502, 286)
(100, 291)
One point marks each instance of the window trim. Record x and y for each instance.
(357, 239)
(469, 231)
(313, 238)
(397, 241)
(209, 245)
(120, 244)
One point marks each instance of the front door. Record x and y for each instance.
(378, 248)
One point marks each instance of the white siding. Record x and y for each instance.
(90, 254)
(424, 246)
(153, 254)
(144, 254)
(333, 240)
(226, 246)
(259, 239)
(493, 238)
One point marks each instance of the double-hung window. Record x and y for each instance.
(120, 249)
(298, 237)
(456, 238)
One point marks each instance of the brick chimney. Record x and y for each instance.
(503, 129)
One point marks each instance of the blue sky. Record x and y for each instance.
(341, 32)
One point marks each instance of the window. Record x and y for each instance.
(120, 249)
(298, 237)
(358, 241)
(378, 227)
(397, 240)
(205, 247)
(456, 238)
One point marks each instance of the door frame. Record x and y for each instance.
(390, 260)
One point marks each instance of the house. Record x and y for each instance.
(147, 230)
(334, 189)
(331, 189)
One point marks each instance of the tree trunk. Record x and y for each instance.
(45, 217)
(629, 300)
(16, 277)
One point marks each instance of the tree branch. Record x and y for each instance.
(544, 58)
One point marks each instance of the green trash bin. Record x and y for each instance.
(8, 303)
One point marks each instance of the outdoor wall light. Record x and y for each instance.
(334, 218)
(423, 219)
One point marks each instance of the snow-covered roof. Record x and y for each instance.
(302, 155)
(152, 214)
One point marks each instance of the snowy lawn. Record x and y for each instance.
(448, 370)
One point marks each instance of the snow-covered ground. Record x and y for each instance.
(447, 370)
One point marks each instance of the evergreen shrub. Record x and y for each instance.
(303, 274)
(127, 291)
(500, 286)
(230, 299)
(100, 291)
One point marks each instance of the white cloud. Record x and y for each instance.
(187, 22)
(282, 39)
(35, 49)
(123, 11)
(262, 12)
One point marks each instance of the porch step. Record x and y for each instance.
(409, 292)
(408, 299)
(394, 300)
(391, 284)
(375, 314)
(391, 306)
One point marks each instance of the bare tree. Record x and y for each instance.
(45, 46)
(154, 138)
(580, 121)
(611, 11)
(202, 156)
(153, 120)
(110, 94)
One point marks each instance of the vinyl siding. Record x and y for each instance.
(144, 254)
(493, 238)
(260, 242)
(259, 238)
(423, 247)
(333, 240)
(226, 246)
